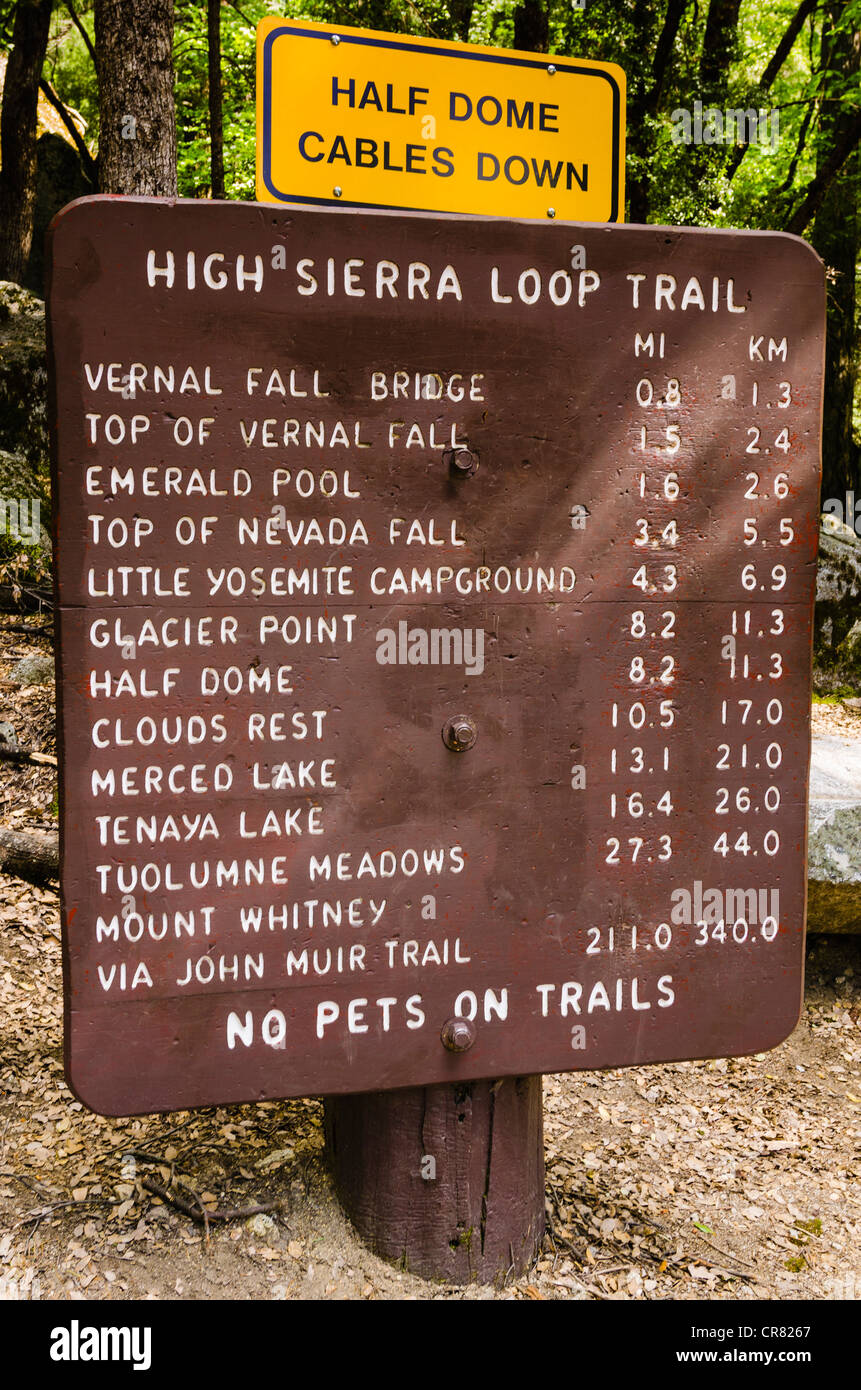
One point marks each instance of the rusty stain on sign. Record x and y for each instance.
(358, 742)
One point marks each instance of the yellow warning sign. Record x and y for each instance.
(355, 117)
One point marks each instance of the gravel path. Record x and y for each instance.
(700, 1180)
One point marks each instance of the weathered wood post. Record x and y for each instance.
(447, 1180)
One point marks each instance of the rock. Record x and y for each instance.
(262, 1226)
(33, 670)
(18, 477)
(834, 837)
(837, 616)
(23, 375)
(273, 1160)
(850, 648)
(60, 179)
(24, 447)
(24, 504)
(16, 302)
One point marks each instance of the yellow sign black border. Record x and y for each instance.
(369, 39)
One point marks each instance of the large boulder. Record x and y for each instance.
(60, 179)
(23, 374)
(837, 616)
(33, 670)
(24, 447)
(834, 837)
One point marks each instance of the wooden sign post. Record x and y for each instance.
(446, 1180)
(435, 602)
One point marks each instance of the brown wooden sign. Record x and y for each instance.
(435, 606)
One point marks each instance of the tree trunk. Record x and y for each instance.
(837, 237)
(25, 598)
(137, 127)
(720, 45)
(531, 27)
(460, 12)
(446, 1181)
(18, 135)
(640, 139)
(216, 119)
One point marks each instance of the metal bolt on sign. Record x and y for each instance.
(463, 462)
(458, 1034)
(459, 733)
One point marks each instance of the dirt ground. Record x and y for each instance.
(730, 1179)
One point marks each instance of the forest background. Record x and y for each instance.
(187, 72)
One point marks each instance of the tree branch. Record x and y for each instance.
(34, 858)
(90, 167)
(784, 48)
(772, 68)
(81, 30)
(663, 51)
(216, 104)
(11, 754)
(799, 149)
(819, 186)
(252, 24)
(647, 103)
(720, 44)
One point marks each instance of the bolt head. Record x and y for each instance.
(457, 1034)
(462, 462)
(336, 38)
(459, 733)
(551, 68)
(337, 191)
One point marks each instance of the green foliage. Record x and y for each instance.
(238, 40)
(693, 185)
(812, 1227)
(23, 565)
(835, 696)
(688, 185)
(69, 69)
